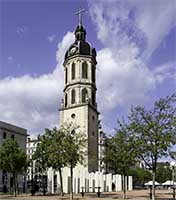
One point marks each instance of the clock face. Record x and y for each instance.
(73, 50)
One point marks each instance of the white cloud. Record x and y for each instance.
(165, 72)
(10, 59)
(21, 30)
(155, 19)
(130, 32)
(121, 83)
(33, 102)
(123, 78)
(51, 38)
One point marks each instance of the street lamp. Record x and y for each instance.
(173, 165)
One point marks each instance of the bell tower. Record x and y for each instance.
(79, 103)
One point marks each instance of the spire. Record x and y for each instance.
(80, 32)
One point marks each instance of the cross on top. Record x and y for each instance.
(79, 13)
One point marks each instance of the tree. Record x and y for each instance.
(154, 132)
(12, 159)
(40, 160)
(120, 153)
(56, 151)
(75, 142)
(140, 176)
(60, 148)
(163, 172)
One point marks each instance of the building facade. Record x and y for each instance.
(11, 131)
(31, 146)
(79, 105)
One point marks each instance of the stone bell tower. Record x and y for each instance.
(79, 104)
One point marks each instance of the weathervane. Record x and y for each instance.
(79, 13)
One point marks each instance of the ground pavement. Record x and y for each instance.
(131, 195)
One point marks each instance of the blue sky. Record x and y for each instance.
(136, 53)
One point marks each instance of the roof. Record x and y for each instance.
(80, 46)
(13, 128)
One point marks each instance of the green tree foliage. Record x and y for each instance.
(154, 132)
(140, 176)
(163, 172)
(120, 153)
(60, 148)
(75, 143)
(56, 151)
(40, 158)
(12, 159)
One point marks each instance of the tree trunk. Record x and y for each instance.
(124, 186)
(153, 185)
(61, 182)
(71, 182)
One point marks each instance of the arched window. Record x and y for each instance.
(73, 96)
(65, 100)
(93, 98)
(93, 73)
(66, 75)
(73, 71)
(84, 95)
(84, 70)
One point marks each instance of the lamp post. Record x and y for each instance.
(173, 165)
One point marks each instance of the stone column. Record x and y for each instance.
(118, 182)
(50, 179)
(104, 183)
(91, 178)
(130, 183)
(65, 176)
(52, 182)
(101, 182)
(58, 183)
(109, 182)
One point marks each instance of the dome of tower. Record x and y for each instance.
(80, 46)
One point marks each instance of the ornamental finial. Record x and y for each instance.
(79, 13)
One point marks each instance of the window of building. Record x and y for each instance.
(13, 136)
(73, 96)
(4, 135)
(84, 95)
(66, 75)
(93, 133)
(66, 100)
(73, 115)
(93, 74)
(84, 70)
(73, 71)
(93, 98)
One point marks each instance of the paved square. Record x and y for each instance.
(132, 195)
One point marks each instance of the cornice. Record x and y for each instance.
(79, 83)
(80, 105)
(79, 56)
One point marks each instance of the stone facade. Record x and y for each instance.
(20, 134)
(79, 104)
